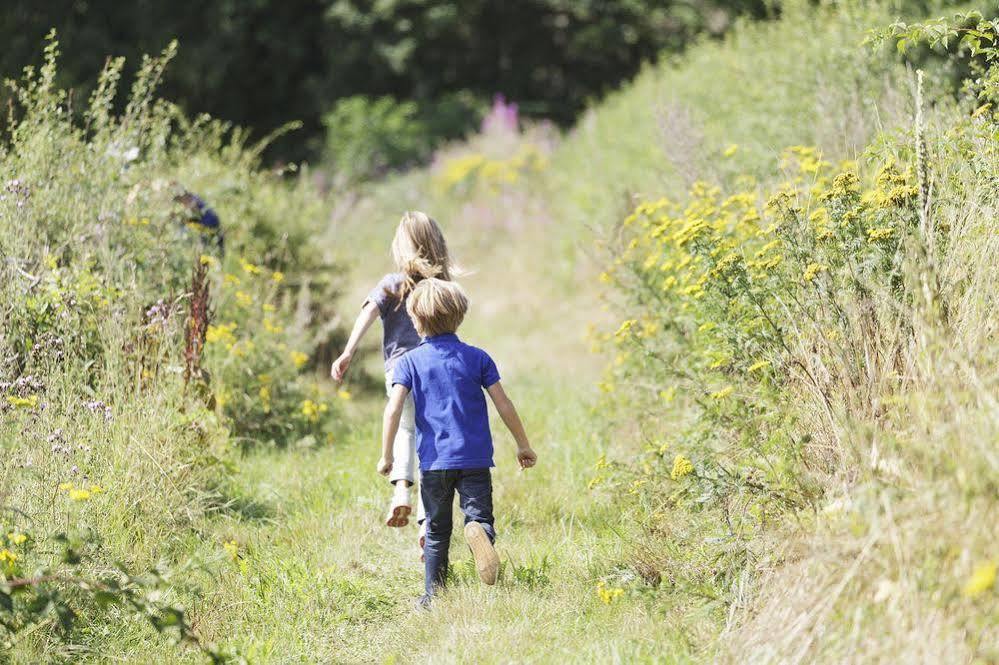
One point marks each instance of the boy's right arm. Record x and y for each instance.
(508, 412)
(364, 320)
(390, 426)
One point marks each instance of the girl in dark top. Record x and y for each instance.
(419, 251)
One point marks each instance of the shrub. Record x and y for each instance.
(125, 381)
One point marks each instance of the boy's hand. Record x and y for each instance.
(340, 366)
(527, 457)
(385, 466)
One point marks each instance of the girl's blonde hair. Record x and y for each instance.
(419, 252)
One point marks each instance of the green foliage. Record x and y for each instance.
(968, 37)
(260, 64)
(365, 137)
(125, 381)
(55, 595)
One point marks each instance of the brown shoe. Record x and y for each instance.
(486, 559)
(399, 511)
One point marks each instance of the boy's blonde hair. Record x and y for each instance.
(419, 251)
(437, 306)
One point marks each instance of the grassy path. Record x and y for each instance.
(319, 578)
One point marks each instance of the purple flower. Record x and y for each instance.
(503, 117)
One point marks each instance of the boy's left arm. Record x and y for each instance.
(508, 412)
(390, 426)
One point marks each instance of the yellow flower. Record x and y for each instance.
(15, 538)
(298, 358)
(668, 395)
(730, 150)
(231, 548)
(96, 489)
(267, 307)
(65, 487)
(723, 393)
(244, 298)
(272, 327)
(311, 410)
(344, 394)
(79, 494)
(681, 467)
(29, 402)
(221, 333)
(812, 270)
(982, 580)
(277, 276)
(604, 278)
(207, 260)
(758, 365)
(249, 268)
(601, 463)
(608, 594)
(625, 328)
(232, 279)
(882, 233)
(265, 398)
(6, 556)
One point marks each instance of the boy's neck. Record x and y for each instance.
(443, 337)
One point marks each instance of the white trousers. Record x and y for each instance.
(404, 447)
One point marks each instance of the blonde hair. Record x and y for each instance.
(437, 306)
(419, 251)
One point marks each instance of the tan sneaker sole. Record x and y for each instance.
(486, 559)
(398, 515)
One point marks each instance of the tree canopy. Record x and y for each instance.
(260, 63)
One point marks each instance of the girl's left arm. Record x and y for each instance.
(364, 320)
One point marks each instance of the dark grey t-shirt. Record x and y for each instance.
(399, 334)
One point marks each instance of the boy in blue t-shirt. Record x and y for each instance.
(447, 378)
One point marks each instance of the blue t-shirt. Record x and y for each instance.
(447, 378)
(399, 335)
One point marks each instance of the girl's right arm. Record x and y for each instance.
(364, 320)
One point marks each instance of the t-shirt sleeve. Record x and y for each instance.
(403, 373)
(490, 375)
(381, 294)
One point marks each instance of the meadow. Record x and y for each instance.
(746, 307)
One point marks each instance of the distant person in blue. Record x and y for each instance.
(197, 214)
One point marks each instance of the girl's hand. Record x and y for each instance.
(385, 466)
(340, 366)
(527, 457)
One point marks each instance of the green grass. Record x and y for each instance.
(340, 584)
(277, 552)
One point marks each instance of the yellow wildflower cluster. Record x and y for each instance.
(812, 271)
(681, 467)
(982, 579)
(298, 359)
(312, 410)
(221, 334)
(29, 402)
(231, 548)
(8, 563)
(249, 268)
(244, 299)
(479, 170)
(608, 594)
(80, 493)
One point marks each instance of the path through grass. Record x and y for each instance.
(319, 578)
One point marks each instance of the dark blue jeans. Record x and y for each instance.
(475, 496)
